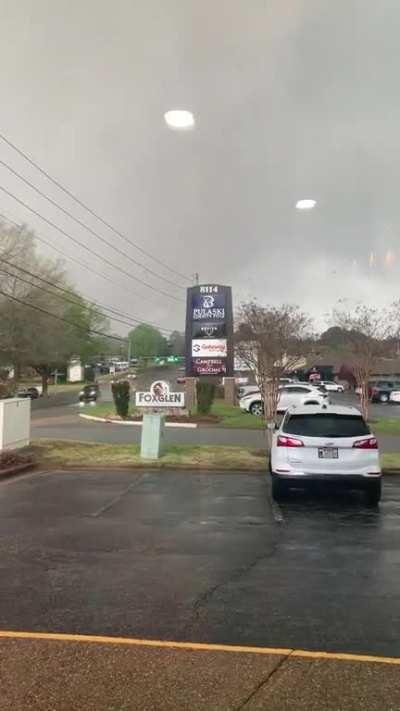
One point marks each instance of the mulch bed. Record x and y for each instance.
(12, 462)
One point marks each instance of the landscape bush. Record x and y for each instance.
(205, 397)
(121, 394)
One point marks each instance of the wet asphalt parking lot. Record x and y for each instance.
(200, 557)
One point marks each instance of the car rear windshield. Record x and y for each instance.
(326, 425)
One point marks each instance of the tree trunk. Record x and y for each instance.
(17, 372)
(364, 401)
(270, 403)
(45, 384)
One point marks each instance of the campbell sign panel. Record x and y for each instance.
(159, 395)
(209, 366)
(209, 331)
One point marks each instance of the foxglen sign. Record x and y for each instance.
(209, 331)
(159, 395)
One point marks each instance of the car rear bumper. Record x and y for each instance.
(298, 477)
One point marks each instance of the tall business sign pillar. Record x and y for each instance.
(209, 333)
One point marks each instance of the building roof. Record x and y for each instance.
(387, 366)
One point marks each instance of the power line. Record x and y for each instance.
(84, 246)
(40, 238)
(86, 227)
(88, 209)
(74, 301)
(60, 318)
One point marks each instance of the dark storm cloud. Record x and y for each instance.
(291, 100)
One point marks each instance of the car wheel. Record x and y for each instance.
(383, 397)
(257, 409)
(373, 492)
(279, 488)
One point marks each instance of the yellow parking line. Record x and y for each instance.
(196, 646)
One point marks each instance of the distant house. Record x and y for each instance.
(336, 367)
(386, 369)
(75, 371)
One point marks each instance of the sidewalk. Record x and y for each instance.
(83, 675)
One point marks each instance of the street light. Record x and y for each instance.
(179, 119)
(307, 204)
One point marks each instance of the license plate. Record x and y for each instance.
(328, 453)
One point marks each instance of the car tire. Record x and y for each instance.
(279, 488)
(384, 397)
(257, 409)
(373, 492)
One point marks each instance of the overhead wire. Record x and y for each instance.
(40, 238)
(60, 318)
(87, 227)
(127, 320)
(84, 246)
(89, 209)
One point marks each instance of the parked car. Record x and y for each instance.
(244, 390)
(247, 389)
(121, 365)
(325, 443)
(331, 386)
(31, 392)
(293, 394)
(382, 389)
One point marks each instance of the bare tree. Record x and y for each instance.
(41, 326)
(367, 331)
(271, 340)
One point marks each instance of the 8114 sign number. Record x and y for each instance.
(208, 290)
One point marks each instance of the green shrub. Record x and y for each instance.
(205, 397)
(121, 394)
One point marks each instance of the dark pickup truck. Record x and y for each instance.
(381, 390)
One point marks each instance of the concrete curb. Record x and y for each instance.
(16, 469)
(182, 425)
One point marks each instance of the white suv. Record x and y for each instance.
(293, 394)
(325, 443)
(332, 386)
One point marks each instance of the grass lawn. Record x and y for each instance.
(390, 462)
(65, 388)
(101, 409)
(62, 453)
(233, 416)
(230, 416)
(386, 425)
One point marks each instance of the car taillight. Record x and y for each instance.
(289, 442)
(371, 443)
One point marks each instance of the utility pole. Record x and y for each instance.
(196, 278)
(129, 350)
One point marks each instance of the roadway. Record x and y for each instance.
(65, 423)
(188, 558)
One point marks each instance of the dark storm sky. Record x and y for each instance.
(292, 99)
